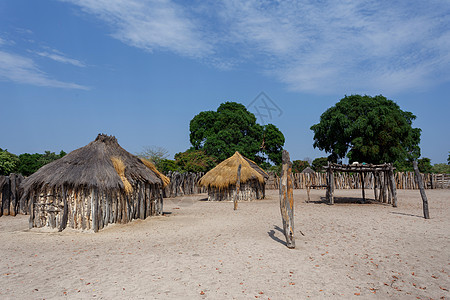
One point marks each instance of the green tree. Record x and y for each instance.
(8, 162)
(441, 169)
(367, 129)
(167, 165)
(424, 165)
(30, 163)
(448, 159)
(319, 163)
(233, 128)
(299, 165)
(195, 161)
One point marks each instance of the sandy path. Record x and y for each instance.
(205, 250)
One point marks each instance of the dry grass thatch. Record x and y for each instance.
(120, 169)
(152, 167)
(225, 173)
(92, 166)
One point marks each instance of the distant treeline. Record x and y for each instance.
(26, 163)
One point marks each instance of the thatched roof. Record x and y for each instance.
(102, 164)
(308, 170)
(225, 173)
(152, 167)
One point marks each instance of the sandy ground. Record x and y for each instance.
(205, 250)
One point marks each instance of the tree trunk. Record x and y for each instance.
(422, 191)
(287, 200)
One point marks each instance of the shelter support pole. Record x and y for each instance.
(393, 186)
(328, 192)
(238, 186)
(422, 190)
(362, 185)
(287, 200)
(375, 185)
(330, 184)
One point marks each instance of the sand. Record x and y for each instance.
(206, 250)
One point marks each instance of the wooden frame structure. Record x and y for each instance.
(383, 176)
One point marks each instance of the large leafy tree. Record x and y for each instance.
(30, 163)
(233, 128)
(194, 161)
(367, 129)
(8, 162)
(319, 163)
(299, 165)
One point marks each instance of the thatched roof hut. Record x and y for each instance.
(93, 186)
(221, 181)
(308, 170)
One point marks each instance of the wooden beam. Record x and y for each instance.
(287, 200)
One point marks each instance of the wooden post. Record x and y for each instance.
(94, 207)
(65, 211)
(393, 185)
(330, 184)
(375, 186)
(328, 176)
(287, 200)
(238, 186)
(422, 190)
(308, 188)
(362, 184)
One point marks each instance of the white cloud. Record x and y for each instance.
(346, 45)
(318, 47)
(61, 58)
(150, 25)
(20, 69)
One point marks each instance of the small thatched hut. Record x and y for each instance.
(221, 181)
(308, 170)
(93, 186)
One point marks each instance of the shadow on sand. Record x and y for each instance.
(271, 233)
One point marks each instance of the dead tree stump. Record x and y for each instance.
(287, 200)
(419, 181)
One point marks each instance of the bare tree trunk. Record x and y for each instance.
(287, 200)
(422, 191)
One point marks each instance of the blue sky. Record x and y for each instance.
(141, 70)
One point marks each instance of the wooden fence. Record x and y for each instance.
(403, 180)
(183, 184)
(10, 196)
(11, 202)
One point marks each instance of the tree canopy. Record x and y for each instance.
(26, 163)
(233, 128)
(299, 165)
(8, 162)
(367, 129)
(319, 163)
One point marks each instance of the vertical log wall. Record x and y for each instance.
(92, 209)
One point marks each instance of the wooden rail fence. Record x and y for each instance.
(11, 202)
(403, 180)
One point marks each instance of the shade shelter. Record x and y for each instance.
(93, 186)
(221, 181)
(383, 176)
